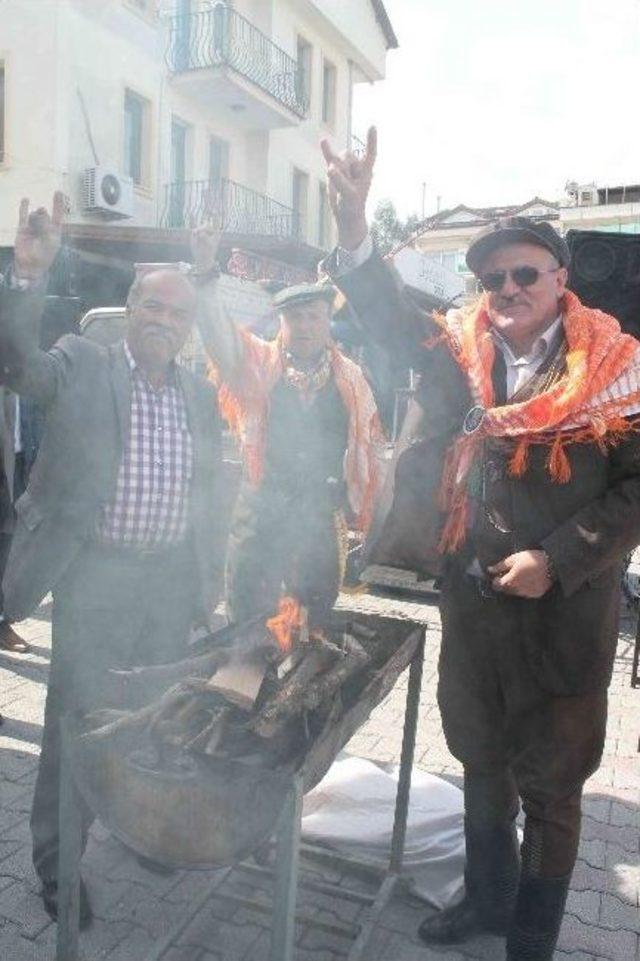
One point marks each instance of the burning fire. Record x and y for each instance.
(290, 618)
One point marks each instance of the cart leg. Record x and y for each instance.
(406, 757)
(286, 876)
(635, 674)
(70, 828)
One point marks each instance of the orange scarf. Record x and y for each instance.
(591, 403)
(245, 407)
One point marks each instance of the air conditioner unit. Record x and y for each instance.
(107, 192)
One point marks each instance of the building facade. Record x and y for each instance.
(446, 235)
(154, 116)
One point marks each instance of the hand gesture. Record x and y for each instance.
(204, 248)
(38, 238)
(524, 574)
(349, 182)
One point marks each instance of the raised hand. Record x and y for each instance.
(349, 182)
(204, 248)
(38, 238)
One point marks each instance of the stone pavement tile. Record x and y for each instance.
(232, 942)
(101, 939)
(143, 910)
(623, 837)
(20, 904)
(16, 764)
(135, 946)
(316, 941)
(624, 814)
(13, 947)
(604, 943)
(15, 796)
(584, 905)
(587, 878)
(260, 952)
(616, 913)
(185, 954)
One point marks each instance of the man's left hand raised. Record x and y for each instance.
(38, 238)
(523, 574)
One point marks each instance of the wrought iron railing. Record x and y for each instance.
(230, 206)
(221, 36)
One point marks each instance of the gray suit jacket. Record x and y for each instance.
(86, 391)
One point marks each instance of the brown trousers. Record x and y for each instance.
(504, 728)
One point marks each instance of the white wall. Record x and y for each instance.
(103, 47)
(33, 151)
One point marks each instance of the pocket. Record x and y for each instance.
(28, 511)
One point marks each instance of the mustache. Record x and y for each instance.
(515, 301)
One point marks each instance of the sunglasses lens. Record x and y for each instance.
(495, 281)
(525, 276)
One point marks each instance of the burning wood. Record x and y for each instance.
(257, 701)
(290, 620)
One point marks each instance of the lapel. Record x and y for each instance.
(189, 387)
(121, 385)
(499, 377)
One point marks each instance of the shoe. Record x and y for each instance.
(50, 901)
(10, 641)
(453, 925)
(156, 867)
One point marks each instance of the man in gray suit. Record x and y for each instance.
(119, 519)
(9, 639)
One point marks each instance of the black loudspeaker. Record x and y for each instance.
(605, 273)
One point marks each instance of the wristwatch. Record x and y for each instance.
(200, 278)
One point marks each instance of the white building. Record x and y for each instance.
(184, 110)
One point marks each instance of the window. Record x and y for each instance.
(324, 218)
(136, 138)
(1, 112)
(305, 66)
(218, 159)
(328, 93)
(299, 200)
(178, 213)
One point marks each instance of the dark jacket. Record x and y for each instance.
(85, 390)
(586, 525)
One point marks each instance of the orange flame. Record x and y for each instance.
(283, 624)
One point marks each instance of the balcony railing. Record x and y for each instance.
(221, 36)
(230, 206)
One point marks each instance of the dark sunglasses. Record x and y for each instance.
(522, 276)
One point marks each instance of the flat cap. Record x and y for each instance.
(303, 293)
(516, 230)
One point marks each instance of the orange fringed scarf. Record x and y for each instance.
(591, 403)
(245, 407)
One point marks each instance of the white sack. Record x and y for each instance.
(352, 809)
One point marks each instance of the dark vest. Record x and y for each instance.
(305, 445)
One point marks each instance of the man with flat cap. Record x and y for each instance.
(520, 485)
(308, 428)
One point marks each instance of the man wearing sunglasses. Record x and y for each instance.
(520, 486)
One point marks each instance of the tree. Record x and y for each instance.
(388, 230)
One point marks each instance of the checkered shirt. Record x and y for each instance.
(151, 503)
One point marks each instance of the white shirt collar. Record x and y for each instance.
(539, 350)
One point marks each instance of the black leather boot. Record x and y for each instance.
(535, 926)
(492, 868)
(491, 882)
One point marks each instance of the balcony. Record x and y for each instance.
(221, 57)
(235, 208)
